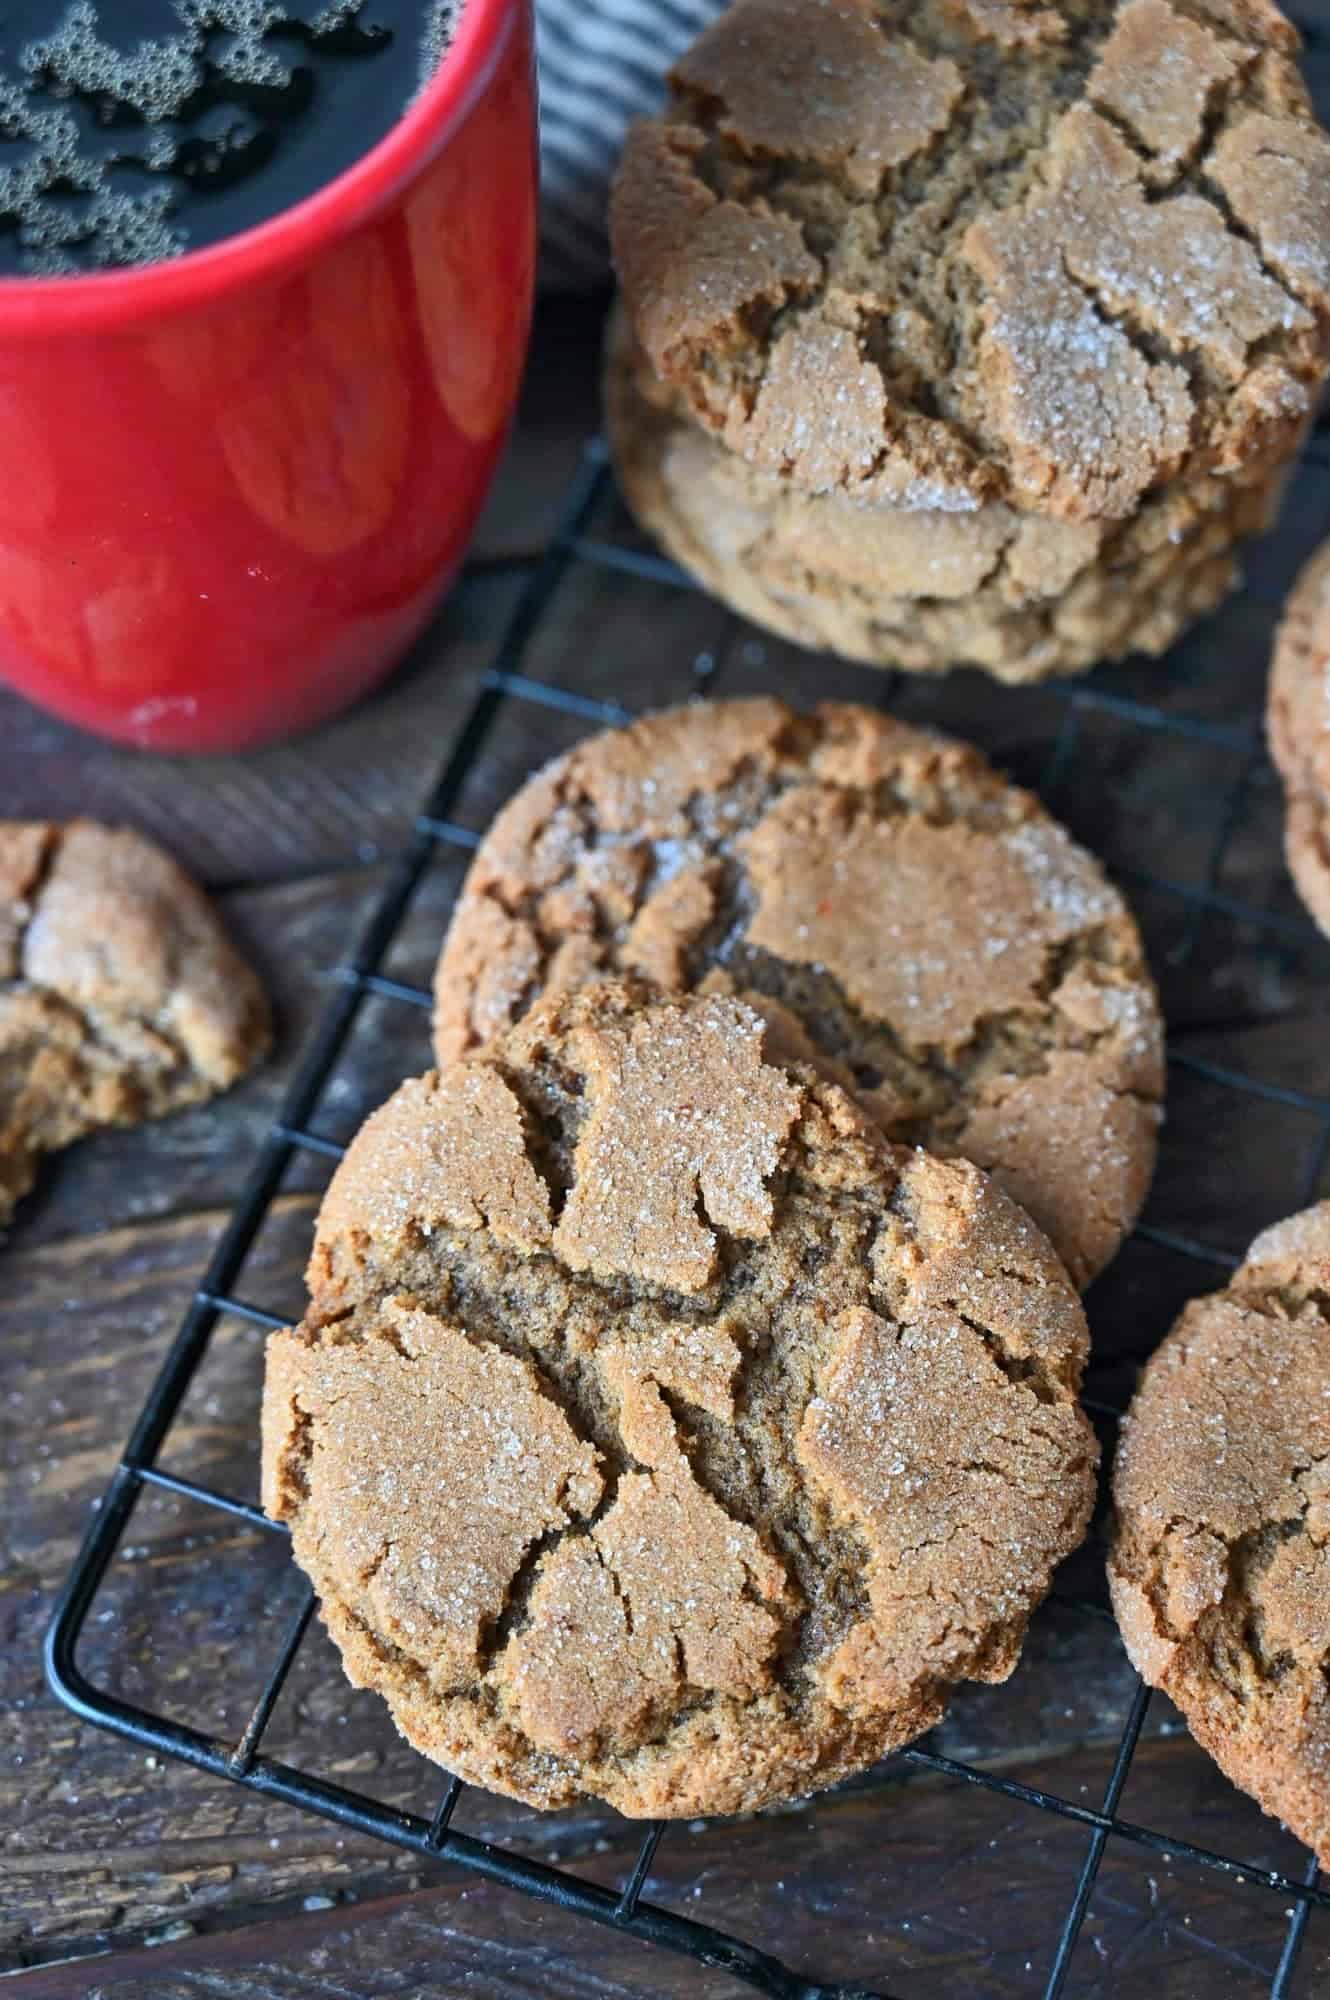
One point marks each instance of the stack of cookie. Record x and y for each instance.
(661, 1427)
(971, 330)
(656, 1431)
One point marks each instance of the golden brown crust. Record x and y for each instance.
(1024, 596)
(121, 998)
(1298, 718)
(1059, 281)
(1220, 1569)
(686, 1524)
(897, 912)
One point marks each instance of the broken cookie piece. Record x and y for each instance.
(659, 1432)
(120, 997)
(921, 584)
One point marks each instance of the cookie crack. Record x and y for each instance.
(98, 1027)
(1289, 1299)
(297, 1454)
(780, 173)
(548, 1141)
(1145, 154)
(925, 1069)
(1246, 1556)
(511, 1617)
(1148, 345)
(1219, 200)
(826, 1564)
(1023, 1371)
(371, 1569)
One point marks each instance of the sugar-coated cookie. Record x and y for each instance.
(901, 914)
(1022, 595)
(657, 1431)
(956, 251)
(1220, 1569)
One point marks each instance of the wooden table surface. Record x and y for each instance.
(124, 1874)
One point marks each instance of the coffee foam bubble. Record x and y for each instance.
(65, 195)
(440, 20)
(154, 79)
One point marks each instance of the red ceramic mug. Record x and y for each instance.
(234, 486)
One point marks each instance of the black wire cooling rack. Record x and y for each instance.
(1178, 724)
(241, 1760)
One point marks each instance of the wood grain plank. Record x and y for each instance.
(932, 1888)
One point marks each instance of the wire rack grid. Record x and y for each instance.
(241, 1759)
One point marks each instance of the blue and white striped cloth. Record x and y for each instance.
(602, 62)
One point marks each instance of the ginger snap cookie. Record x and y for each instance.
(659, 1432)
(958, 251)
(1299, 731)
(1220, 1569)
(903, 917)
(1021, 595)
(120, 998)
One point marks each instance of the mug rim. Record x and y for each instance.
(86, 301)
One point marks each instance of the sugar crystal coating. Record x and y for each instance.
(657, 1530)
(1220, 1567)
(898, 914)
(1089, 253)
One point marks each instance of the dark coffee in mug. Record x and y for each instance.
(134, 130)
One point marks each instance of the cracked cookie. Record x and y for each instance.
(960, 251)
(120, 998)
(1299, 729)
(1220, 1569)
(1023, 596)
(902, 916)
(659, 1432)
